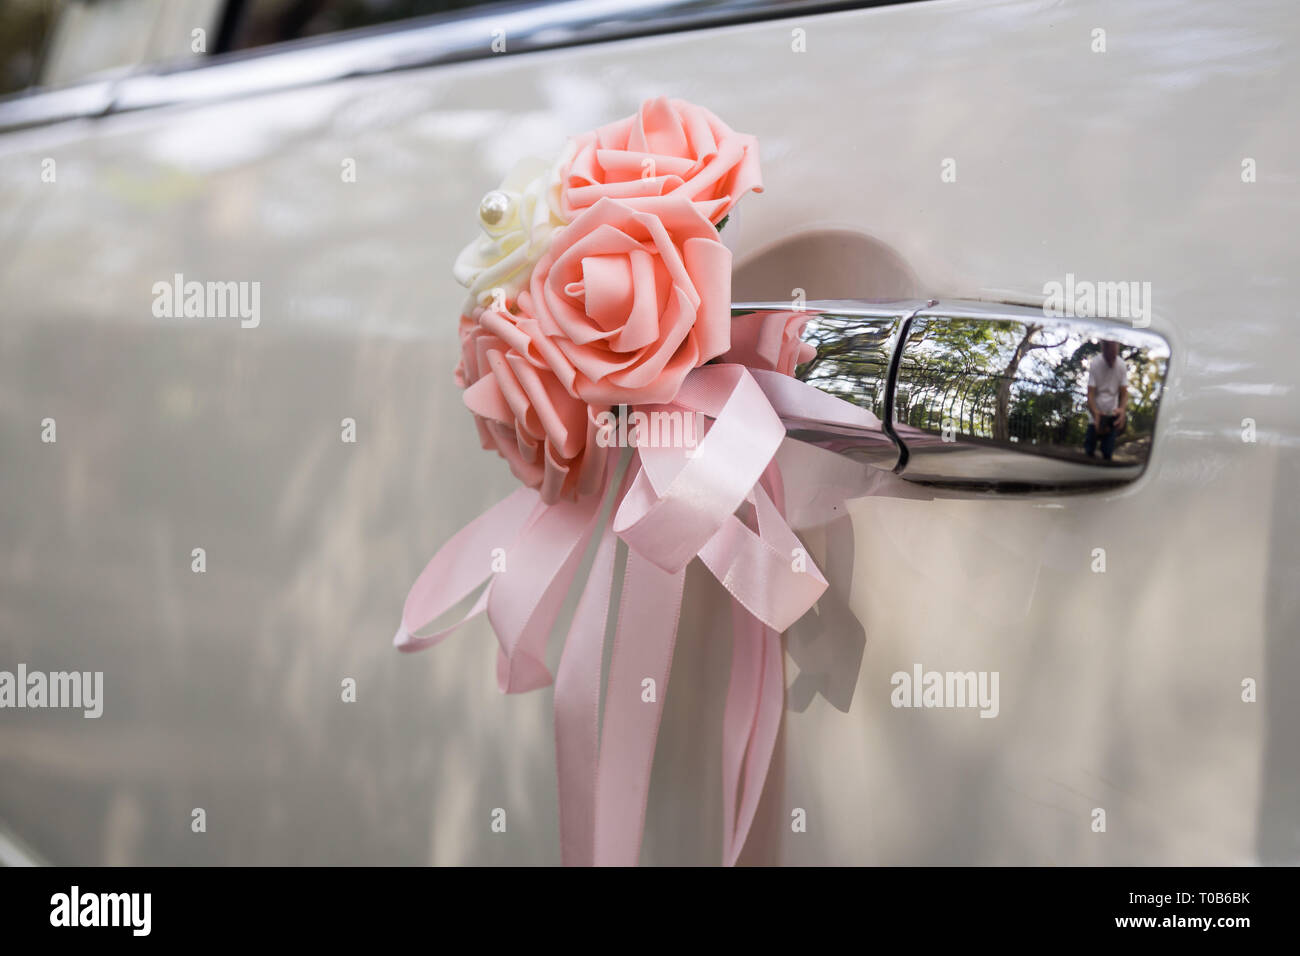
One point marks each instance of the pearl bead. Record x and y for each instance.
(494, 207)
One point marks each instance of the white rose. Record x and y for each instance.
(518, 220)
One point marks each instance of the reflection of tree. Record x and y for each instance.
(1000, 380)
(852, 360)
(1023, 348)
(949, 376)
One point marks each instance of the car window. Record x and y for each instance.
(92, 38)
(58, 43)
(25, 28)
(254, 23)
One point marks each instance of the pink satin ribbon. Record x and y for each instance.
(722, 502)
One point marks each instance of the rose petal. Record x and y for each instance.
(709, 262)
(659, 129)
(609, 284)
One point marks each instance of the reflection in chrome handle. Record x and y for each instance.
(984, 395)
(1009, 398)
(856, 343)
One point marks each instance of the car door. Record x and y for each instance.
(231, 513)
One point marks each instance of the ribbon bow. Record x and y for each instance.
(723, 502)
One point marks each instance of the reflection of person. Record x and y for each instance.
(1107, 400)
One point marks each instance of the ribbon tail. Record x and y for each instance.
(643, 648)
(577, 710)
(743, 691)
(751, 724)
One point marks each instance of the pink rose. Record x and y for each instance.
(524, 413)
(770, 340)
(628, 302)
(670, 147)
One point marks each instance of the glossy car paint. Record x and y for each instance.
(1119, 690)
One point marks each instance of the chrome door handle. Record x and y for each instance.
(976, 394)
(856, 343)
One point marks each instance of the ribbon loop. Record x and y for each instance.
(767, 572)
(679, 501)
(460, 566)
(527, 597)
